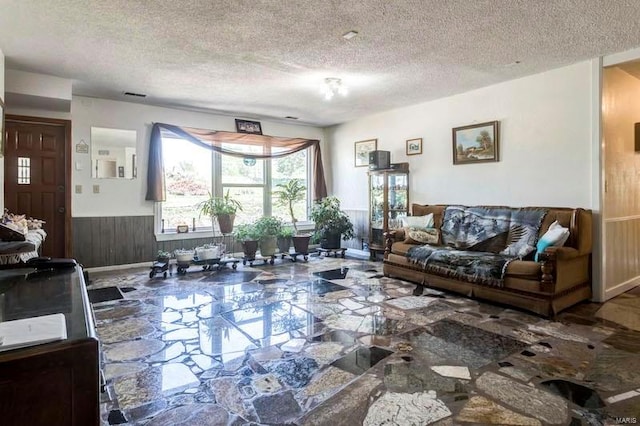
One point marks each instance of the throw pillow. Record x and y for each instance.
(421, 236)
(556, 236)
(419, 221)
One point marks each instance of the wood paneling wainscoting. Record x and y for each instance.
(118, 240)
(360, 220)
(121, 240)
(622, 249)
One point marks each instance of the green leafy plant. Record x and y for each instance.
(288, 194)
(329, 219)
(214, 206)
(268, 226)
(246, 232)
(165, 255)
(286, 232)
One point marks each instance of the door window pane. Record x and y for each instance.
(24, 170)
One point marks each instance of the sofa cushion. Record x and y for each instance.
(420, 222)
(562, 216)
(421, 235)
(422, 210)
(556, 236)
(401, 248)
(523, 269)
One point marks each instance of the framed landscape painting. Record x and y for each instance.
(476, 143)
(414, 146)
(362, 150)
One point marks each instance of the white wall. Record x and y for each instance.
(545, 145)
(123, 197)
(41, 85)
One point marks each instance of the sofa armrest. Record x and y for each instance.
(390, 237)
(557, 265)
(563, 253)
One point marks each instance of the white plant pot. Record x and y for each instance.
(208, 253)
(184, 257)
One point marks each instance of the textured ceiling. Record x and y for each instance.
(262, 58)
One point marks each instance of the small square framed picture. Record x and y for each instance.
(414, 146)
(246, 126)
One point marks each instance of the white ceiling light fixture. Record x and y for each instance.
(333, 86)
(349, 35)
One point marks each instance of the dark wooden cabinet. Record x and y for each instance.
(54, 383)
(388, 203)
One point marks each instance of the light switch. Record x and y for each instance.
(96, 189)
(78, 165)
(78, 189)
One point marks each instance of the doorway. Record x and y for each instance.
(37, 176)
(621, 166)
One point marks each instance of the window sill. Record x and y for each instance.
(307, 227)
(191, 235)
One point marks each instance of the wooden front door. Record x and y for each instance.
(38, 175)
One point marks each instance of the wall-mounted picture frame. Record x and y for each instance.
(246, 126)
(476, 143)
(414, 146)
(362, 150)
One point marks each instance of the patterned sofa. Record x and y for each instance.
(561, 276)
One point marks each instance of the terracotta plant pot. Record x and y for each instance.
(250, 247)
(225, 221)
(301, 243)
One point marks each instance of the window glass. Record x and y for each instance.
(235, 171)
(187, 169)
(283, 170)
(190, 173)
(251, 200)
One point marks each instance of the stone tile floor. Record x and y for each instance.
(332, 342)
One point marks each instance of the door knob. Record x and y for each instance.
(60, 209)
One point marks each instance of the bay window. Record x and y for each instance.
(192, 172)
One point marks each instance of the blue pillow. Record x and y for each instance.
(555, 236)
(542, 246)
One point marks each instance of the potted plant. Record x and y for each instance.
(284, 239)
(222, 209)
(331, 223)
(289, 193)
(246, 234)
(163, 256)
(268, 228)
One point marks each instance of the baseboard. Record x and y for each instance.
(119, 267)
(360, 254)
(621, 288)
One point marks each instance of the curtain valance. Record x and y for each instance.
(275, 147)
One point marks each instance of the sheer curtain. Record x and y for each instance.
(213, 140)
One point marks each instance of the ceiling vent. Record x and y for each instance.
(136, 95)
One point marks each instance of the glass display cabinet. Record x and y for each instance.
(388, 203)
